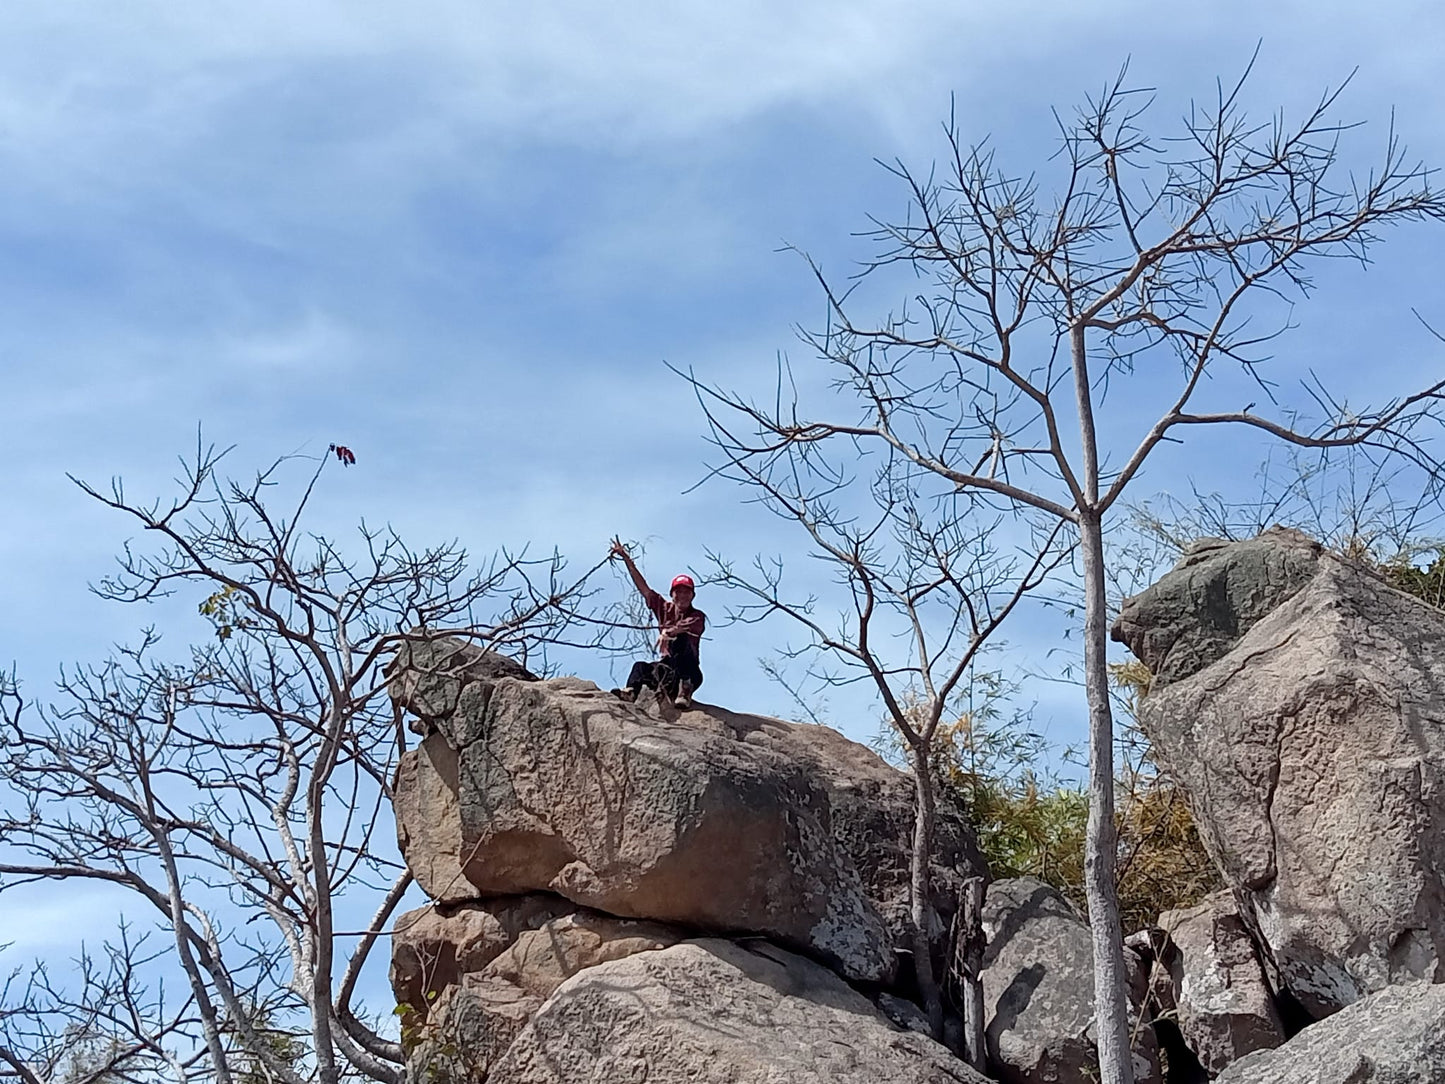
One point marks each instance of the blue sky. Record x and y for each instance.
(464, 238)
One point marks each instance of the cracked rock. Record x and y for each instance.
(1301, 708)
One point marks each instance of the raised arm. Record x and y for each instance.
(619, 550)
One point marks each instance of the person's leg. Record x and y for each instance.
(665, 676)
(641, 674)
(683, 660)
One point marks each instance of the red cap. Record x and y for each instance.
(683, 581)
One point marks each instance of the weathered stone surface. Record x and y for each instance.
(471, 1025)
(540, 960)
(428, 819)
(714, 1012)
(1214, 595)
(1396, 1036)
(432, 948)
(1038, 989)
(533, 942)
(1312, 755)
(902, 1014)
(428, 676)
(1222, 1003)
(713, 820)
(475, 977)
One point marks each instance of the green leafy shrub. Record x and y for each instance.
(1426, 583)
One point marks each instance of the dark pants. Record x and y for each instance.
(679, 664)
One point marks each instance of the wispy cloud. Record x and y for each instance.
(464, 237)
(312, 341)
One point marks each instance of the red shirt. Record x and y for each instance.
(672, 618)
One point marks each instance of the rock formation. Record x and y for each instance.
(471, 979)
(1038, 989)
(581, 852)
(1299, 702)
(1396, 1036)
(716, 1012)
(713, 820)
(626, 893)
(1213, 984)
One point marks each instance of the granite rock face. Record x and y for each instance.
(1395, 1036)
(1038, 989)
(1301, 708)
(1196, 614)
(708, 820)
(473, 978)
(1221, 1000)
(716, 1012)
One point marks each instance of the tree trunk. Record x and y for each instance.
(920, 898)
(328, 1071)
(1111, 1006)
(969, 964)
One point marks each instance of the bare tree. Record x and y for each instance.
(102, 1024)
(1149, 256)
(1352, 501)
(240, 793)
(926, 591)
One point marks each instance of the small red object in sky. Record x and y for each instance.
(345, 454)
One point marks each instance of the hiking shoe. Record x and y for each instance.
(627, 696)
(684, 697)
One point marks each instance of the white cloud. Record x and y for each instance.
(311, 341)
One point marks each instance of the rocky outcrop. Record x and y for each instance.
(1299, 702)
(1396, 1036)
(711, 820)
(1216, 987)
(471, 979)
(531, 942)
(1196, 614)
(1038, 989)
(580, 850)
(432, 948)
(428, 677)
(717, 1012)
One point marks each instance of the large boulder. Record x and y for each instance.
(1221, 1002)
(1038, 990)
(1303, 714)
(472, 977)
(428, 676)
(433, 947)
(1396, 1036)
(716, 1012)
(708, 819)
(533, 942)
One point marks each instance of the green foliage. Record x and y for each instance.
(1032, 822)
(1162, 861)
(441, 1062)
(279, 1044)
(1028, 824)
(224, 610)
(1427, 582)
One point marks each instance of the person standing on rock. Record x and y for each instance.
(680, 627)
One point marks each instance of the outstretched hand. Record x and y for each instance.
(619, 550)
